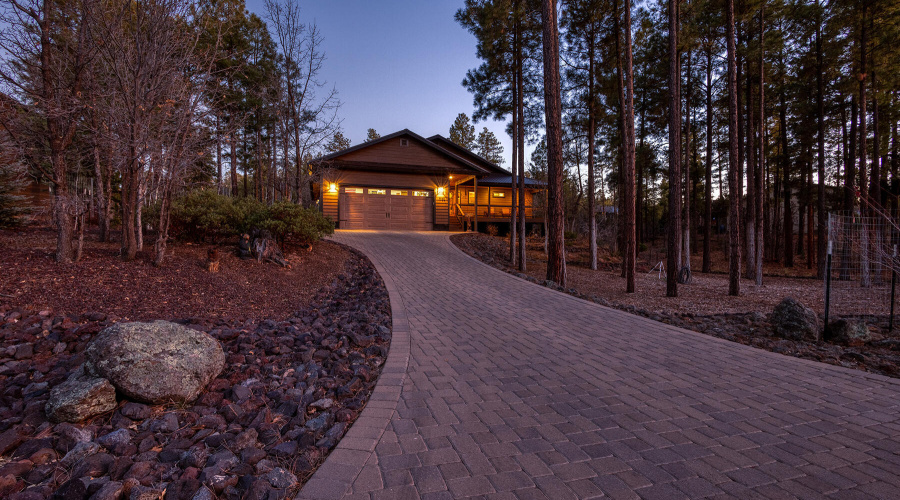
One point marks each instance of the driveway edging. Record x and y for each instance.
(334, 478)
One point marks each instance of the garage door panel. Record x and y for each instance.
(395, 209)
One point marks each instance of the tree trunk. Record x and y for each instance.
(686, 167)
(234, 180)
(672, 247)
(591, 132)
(556, 260)
(734, 213)
(630, 236)
(865, 202)
(750, 214)
(102, 196)
(520, 103)
(786, 185)
(707, 202)
(820, 126)
(513, 170)
(761, 168)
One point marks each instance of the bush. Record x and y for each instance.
(569, 235)
(199, 215)
(287, 221)
(492, 229)
(202, 215)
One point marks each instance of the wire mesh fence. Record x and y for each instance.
(864, 266)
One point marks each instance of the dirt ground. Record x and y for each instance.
(182, 288)
(706, 294)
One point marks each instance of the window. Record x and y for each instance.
(404, 142)
(471, 197)
(377, 191)
(354, 190)
(398, 192)
(422, 193)
(498, 194)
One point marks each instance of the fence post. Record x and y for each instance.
(828, 283)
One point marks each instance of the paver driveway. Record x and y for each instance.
(516, 391)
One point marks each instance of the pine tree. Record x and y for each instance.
(462, 132)
(337, 143)
(372, 135)
(488, 147)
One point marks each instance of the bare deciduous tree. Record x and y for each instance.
(44, 55)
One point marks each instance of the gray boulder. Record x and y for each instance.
(80, 397)
(849, 331)
(794, 321)
(155, 362)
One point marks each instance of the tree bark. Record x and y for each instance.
(672, 247)
(556, 260)
(630, 195)
(707, 202)
(865, 201)
(750, 214)
(820, 126)
(513, 169)
(734, 213)
(686, 167)
(591, 133)
(520, 133)
(761, 157)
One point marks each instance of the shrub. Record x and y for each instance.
(287, 221)
(492, 229)
(202, 215)
(199, 215)
(570, 235)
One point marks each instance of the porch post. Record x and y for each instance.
(475, 180)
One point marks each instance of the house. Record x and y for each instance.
(403, 181)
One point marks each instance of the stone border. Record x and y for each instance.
(824, 366)
(333, 479)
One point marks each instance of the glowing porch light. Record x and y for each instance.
(332, 188)
(440, 191)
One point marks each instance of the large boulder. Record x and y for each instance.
(794, 321)
(848, 331)
(155, 362)
(80, 397)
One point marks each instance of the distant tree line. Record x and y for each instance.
(148, 100)
(691, 116)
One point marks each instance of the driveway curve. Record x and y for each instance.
(505, 389)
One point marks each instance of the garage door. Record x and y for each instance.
(385, 208)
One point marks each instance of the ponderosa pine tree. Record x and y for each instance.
(734, 212)
(556, 250)
(674, 225)
(488, 147)
(462, 132)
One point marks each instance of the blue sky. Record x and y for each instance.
(396, 64)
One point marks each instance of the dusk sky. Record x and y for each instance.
(396, 64)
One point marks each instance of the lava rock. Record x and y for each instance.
(848, 331)
(136, 411)
(794, 321)
(155, 362)
(80, 397)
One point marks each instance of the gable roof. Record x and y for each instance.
(463, 164)
(445, 143)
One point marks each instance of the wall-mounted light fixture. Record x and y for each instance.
(333, 188)
(440, 191)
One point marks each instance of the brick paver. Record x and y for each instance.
(500, 388)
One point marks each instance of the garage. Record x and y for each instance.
(386, 208)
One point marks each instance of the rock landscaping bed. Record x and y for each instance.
(288, 392)
(705, 308)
